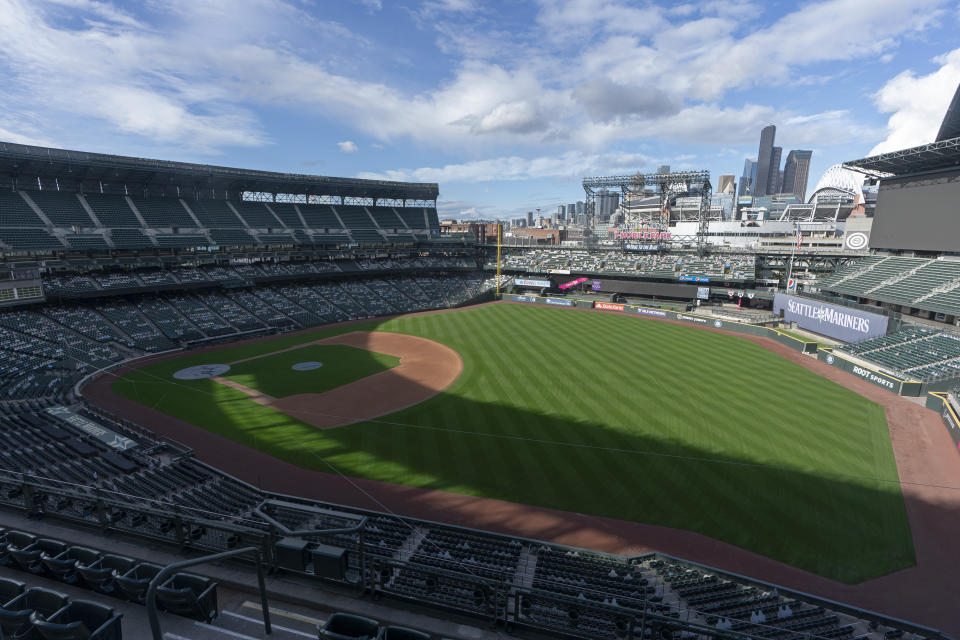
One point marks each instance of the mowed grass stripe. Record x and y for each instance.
(621, 417)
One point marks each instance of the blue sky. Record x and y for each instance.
(507, 105)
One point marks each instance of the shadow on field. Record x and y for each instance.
(601, 478)
(844, 527)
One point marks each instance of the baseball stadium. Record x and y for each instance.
(240, 403)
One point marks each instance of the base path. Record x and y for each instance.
(426, 368)
(927, 461)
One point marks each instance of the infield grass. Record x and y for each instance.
(274, 374)
(606, 415)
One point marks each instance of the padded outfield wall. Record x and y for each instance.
(692, 318)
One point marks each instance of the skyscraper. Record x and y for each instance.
(761, 183)
(748, 177)
(529, 218)
(664, 168)
(796, 171)
(773, 184)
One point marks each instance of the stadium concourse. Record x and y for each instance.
(135, 259)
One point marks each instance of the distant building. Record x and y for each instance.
(748, 178)
(664, 168)
(764, 156)
(796, 173)
(726, 183)
(773, 184)
(529, 218)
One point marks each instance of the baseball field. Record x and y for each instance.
(590, 413)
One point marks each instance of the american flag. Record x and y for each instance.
(799, 238)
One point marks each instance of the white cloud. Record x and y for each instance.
(348, 146)
(917, 104)
(585, 74)
(569, 165)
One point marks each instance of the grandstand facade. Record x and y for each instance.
(54, 201)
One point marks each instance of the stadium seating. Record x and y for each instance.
(257, 215)
(722, 267)
(317, 216)
(287, 213)
(163, 212)
(112, 211)
(63, 209)
(914, 352)
(15, 212)
(914, 283)
(130, 239)
(214, 214)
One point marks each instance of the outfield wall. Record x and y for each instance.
(874, 376)
(692, 318)
(941, 404)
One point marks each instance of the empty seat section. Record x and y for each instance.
(86, 241)
(29, 239)
(386, 218)
(214, 214)
(367, 236)
(355, 217)
(413, 216)
(15, 212)
(277, 238)
(130, 239)
(163, 212)
(319, 216)
(112, 210)
(180, 240)
(232, 237)
(257, 215)
(432, 220)
(287, 214)
(62, 208)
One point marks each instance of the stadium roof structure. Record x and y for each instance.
(950, 127)
(20, 161)
(936, 156)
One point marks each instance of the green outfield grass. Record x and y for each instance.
(608, 415)
(274, 376)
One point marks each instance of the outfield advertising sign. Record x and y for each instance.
(560, 302)
(657, 313)
(522, 298)
(697, 319)
(890, 383)
(526, 282)
(609, 306)
(836, 321)
(685, 278)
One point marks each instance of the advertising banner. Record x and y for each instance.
(522, 298)
(890, 383)
(686, 278)
(526, 282)
(656, 313)
(609, 306)
(703, 293)
(634, 246)
(560, 302)
(563, 272)
(836, 321)
(572, 283)
(595, 285)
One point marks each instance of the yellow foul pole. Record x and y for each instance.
(498, 258)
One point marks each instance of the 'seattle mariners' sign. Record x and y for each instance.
(836, 321)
